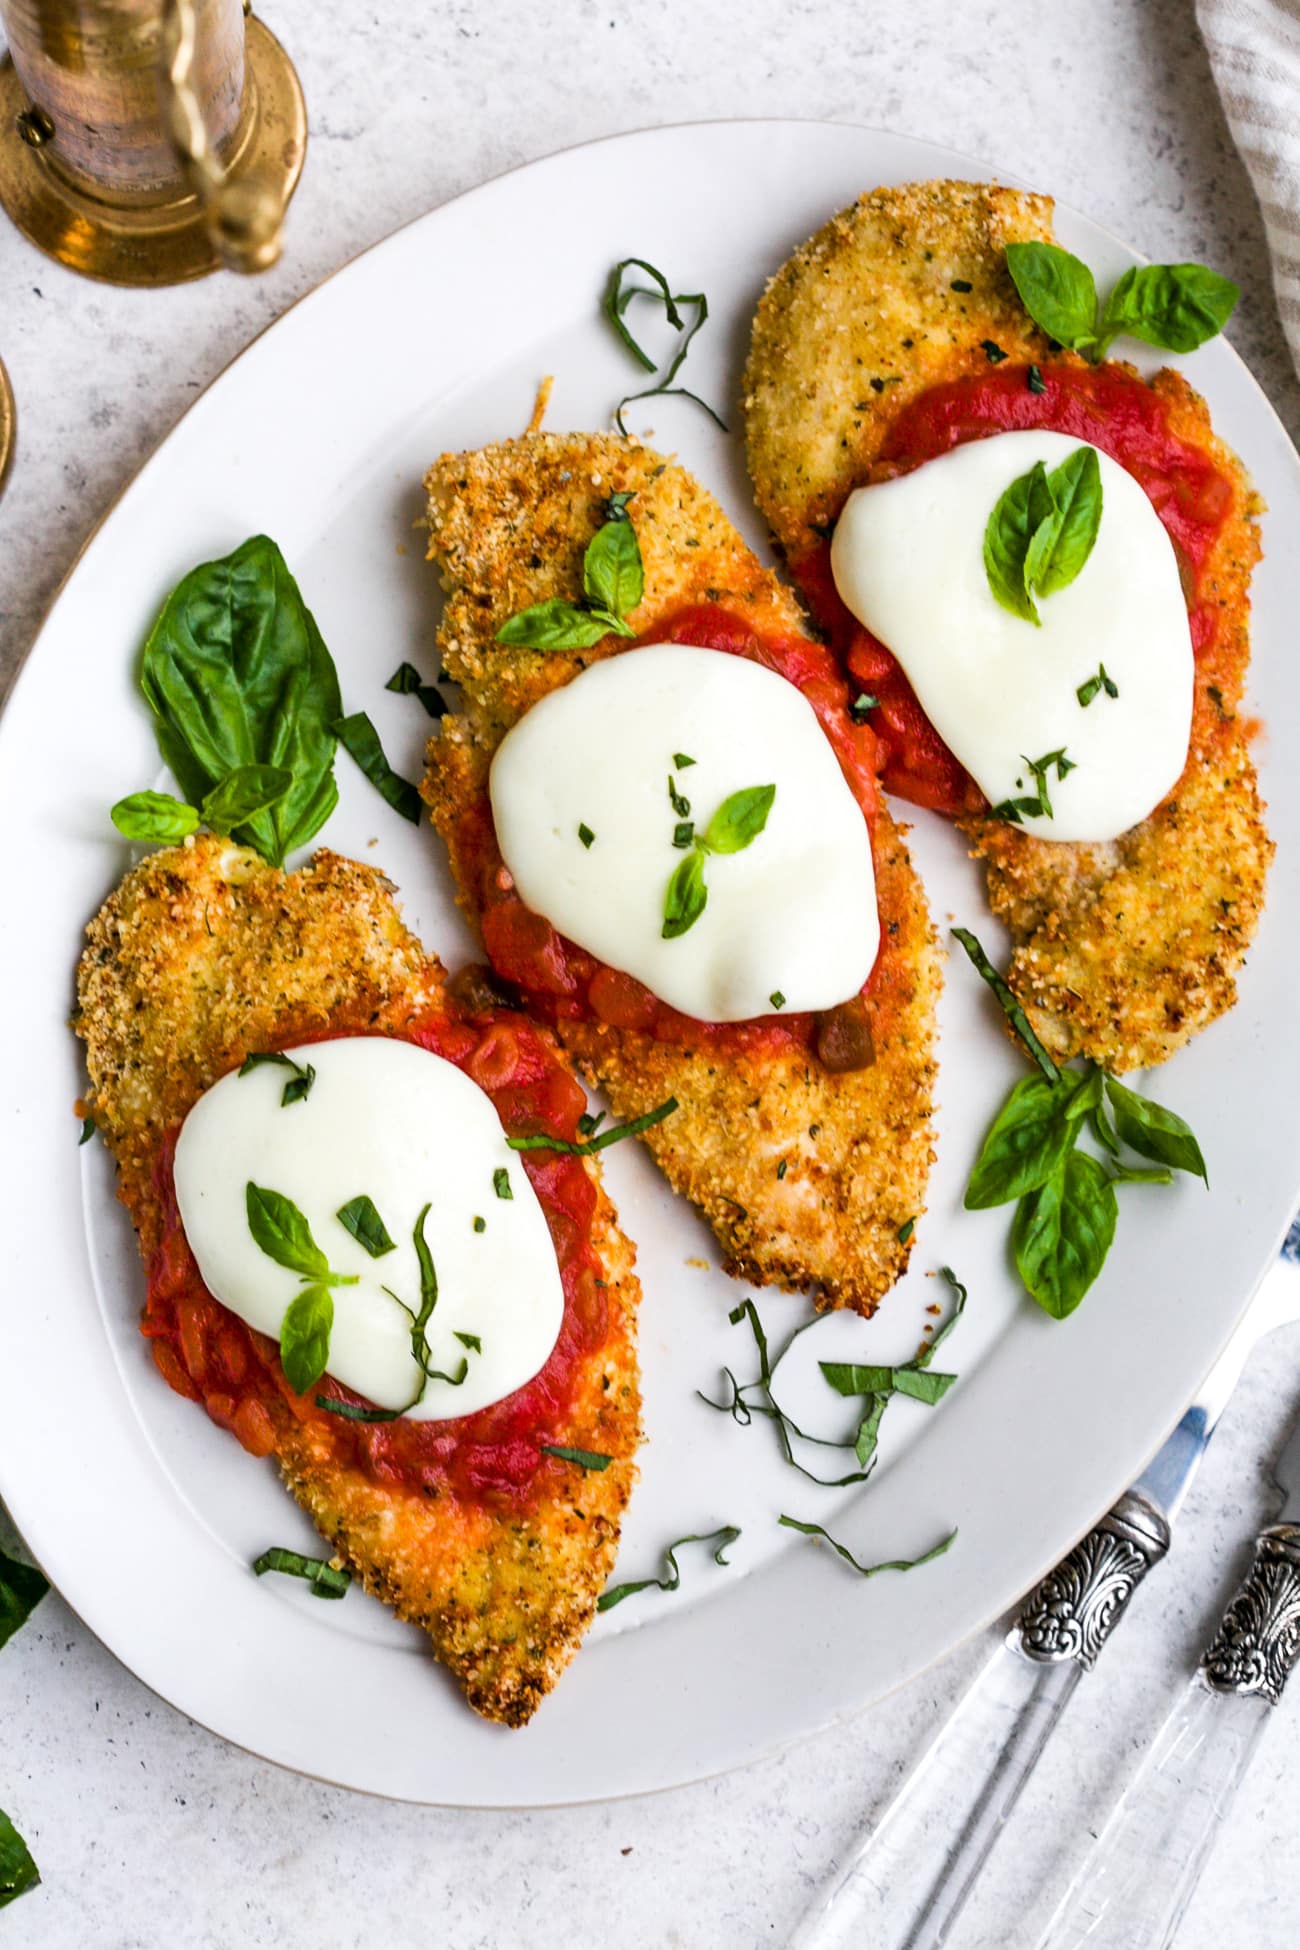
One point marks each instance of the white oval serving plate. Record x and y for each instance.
(144, 1514)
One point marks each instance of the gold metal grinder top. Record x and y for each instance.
(145, 142)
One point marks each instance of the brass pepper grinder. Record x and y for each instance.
(146, 142)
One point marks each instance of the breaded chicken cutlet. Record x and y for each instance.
(205, 954)
(1122, 950)
(809, 1176)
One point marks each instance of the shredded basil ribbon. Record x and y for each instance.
(619, 294)
(724, 1537)
(593, 1144)
(583, 1458)
(870, 1570)
(325, 1579)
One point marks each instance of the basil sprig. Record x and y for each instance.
(723, 1538)
(18, 1872)
(280, 1228)
(160, 819)
(735, 825)
(326, 1580)
(1066, 1208)
(1174, 306)
(613, 583)
(870, 1570)
(298, 1088)
(240, 684)
(22, 1587)
(1042, 531)
(619, 293)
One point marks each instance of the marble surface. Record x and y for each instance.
(151, 1832)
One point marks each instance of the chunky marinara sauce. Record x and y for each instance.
(1104, 405)
(206, 1352)
(561, 980)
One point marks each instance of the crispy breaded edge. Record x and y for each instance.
(508, 527)
(205, 953)
(1121, 952)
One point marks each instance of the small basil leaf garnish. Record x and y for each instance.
(1057, 290)
(682, 761)
(557, 625)
(585, 834)
(22, 1587)
(739, 820)
(282, 1232)
(723, 1537)
(1007, 1002)
(360, 740)
(852, 1378)
(325, 1579)
(405, 680)
(243, 794)
(1154, 1132)
(1175, 306)
(613, 578)
(1040, 805)
(299, 1085)
(1042, 531)
(154, 818)
(616, 1132)
(686, 897)
(471, 1341)
(1062, 1233)
(501, 1182)
(18, 1872)
(361, 1218)
(582, 1458)
(1101, 682)
(87, 1131)
(305, 1337)
(869, 1570)
(236, 673)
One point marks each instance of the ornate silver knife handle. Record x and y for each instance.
(1258, 1642)
(1072, 1613)
(1137, 1882)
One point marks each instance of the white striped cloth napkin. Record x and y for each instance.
(1254, 49)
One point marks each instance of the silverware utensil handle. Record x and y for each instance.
(892, 1892)
(1133, 1890)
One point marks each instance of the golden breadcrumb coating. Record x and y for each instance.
(508, 528)
(205, 953)
(1123, 951)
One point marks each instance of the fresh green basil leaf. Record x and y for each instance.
(739, 819)
(858, 1377)
(869, 1570)
(1007, 1002)
(1122, 1174)
(687, 896)
(557, 625)
(613, 578)
(1058, 292)
(22, 1587)
(1017, 515)
(87, 1131)
(325, 1579)
(154, 818)
(1076, 490)
(922, 1384)
(723, 1537)
(284, 1235)
(18, 1872)
(614, 1135)
(1154, 1132)
(305, 1337)
(360, 740)
(1174, 306)
(1062, 1233)
(243, 794)
(361, 1218)
(1103, 1130)
(1028, 1139)
(236, 673)
(582, 1458)
(405, 680)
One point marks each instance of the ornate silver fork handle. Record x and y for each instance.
(897, 1891)
(1137, 1882)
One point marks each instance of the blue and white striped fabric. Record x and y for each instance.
(1254, 49)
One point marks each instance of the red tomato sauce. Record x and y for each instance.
(561, 980)
(1104, 405)
(491, 1457)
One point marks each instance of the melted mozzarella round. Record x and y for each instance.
(406, 1128)
(907, 557)
(793, 914)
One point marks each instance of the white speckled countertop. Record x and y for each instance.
(152, 1833)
